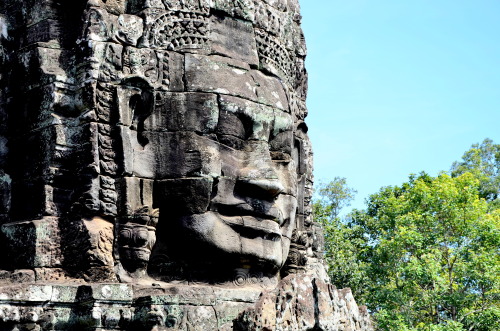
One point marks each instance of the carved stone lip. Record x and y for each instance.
(136, 249)
(252, 223)
(253, 227)
(245, 210)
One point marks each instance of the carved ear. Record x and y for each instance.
(142, 88)
(135, 103)
(140, 106)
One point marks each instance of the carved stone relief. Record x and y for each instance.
(161, 144)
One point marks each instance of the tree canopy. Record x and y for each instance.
(424, 255)
(483, 161)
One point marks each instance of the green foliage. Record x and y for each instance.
(424, 255)
(341, 239)
(434, 262)
(483, 161)
(334, 196)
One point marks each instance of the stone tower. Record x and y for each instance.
(155, 169)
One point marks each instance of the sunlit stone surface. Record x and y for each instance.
(155, 169)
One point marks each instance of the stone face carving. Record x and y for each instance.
(159, 143)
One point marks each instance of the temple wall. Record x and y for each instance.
(155, 169)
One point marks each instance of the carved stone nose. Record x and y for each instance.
(260, 187)
(259, 181)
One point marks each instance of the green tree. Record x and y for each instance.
(431, 256)
(482, 160)
(424, 255)
(342, 240)
(333, 197)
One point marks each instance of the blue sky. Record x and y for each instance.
(398, 87)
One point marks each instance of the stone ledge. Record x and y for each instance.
(300, 302)
(120, 306)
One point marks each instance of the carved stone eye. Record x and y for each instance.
(125, 237)
(151, 239)
(231, 130)
(141, 237)
(281, 146)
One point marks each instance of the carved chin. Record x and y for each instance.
(137, 255)
(251, 238)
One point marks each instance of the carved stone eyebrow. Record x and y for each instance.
(257, 118)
